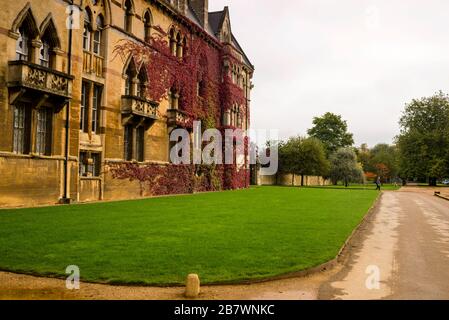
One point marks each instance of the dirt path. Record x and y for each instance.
(13, 286)
(406, 244)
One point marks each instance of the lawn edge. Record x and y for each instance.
(327, 266)
(438, 195)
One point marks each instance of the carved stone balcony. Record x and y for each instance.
(178, 118)
(30, 77)
(132, 105)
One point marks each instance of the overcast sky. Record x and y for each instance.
(363, 59)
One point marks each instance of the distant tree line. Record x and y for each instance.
(423, 143)
(420, 152)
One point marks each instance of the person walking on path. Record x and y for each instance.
(378, 184)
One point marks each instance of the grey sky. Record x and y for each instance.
(363, 59)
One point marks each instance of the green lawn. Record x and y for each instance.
(224, 237)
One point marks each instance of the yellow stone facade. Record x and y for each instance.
(47, 69)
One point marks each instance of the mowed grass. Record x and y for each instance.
(223, 237)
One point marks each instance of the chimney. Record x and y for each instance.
(201, 8)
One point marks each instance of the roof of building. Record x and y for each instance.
(214, 26)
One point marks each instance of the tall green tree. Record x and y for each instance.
(345, 168)
(332, 130)
(303, 156)
(384, 161)
(424, 139)
(364, 157)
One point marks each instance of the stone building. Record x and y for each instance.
(68, 108)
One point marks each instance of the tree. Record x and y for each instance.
(384, 160)
(303, 156)
(344, 167)
(424, 139)
(364, 157)
(332, 130)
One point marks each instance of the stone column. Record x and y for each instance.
(34, 51)
(58, 60)
(134, 84)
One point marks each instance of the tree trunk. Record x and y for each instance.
(302, 180)
(293, 180)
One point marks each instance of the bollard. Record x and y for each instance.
(192, 286)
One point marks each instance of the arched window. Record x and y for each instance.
(97, 49)
(26, 29)
(44, 54)
(23, 45)
(95, 18)
(87, 29)
(129, 79)
(129, 12)
(142, 82)
(50, 41)
(147, 25)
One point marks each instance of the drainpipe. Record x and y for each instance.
(66, 198)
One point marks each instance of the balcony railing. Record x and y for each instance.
(139, 107)
(176, 117)
(92, 64)
(32, 76)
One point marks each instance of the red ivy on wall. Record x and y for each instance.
(157, 180)
(202, 64)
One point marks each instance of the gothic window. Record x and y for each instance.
(235, 117)
(147, 25)
(87, 30)
(142, 83)
(26, 30)
(128, 16)
(97, 36)
(22, 45)
(130, 76)
(50, 41)
(44, 54)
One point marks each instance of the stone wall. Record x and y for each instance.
(28, 182)
(292, 180)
